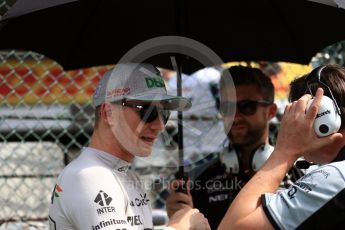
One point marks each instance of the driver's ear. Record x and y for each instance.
(106, 113)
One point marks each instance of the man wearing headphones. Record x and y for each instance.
(312, 127)
(216, 180)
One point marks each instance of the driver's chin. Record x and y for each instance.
(144, 151)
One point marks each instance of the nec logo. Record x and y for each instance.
(216, 198)
(103, 199)
(323, 113)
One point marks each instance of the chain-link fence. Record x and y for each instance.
(5, 5)
(47, 117)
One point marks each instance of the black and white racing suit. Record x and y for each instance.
(97, 191)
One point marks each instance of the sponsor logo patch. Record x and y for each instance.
(323, 113)
(141, 201)
(217, 198)
(103, 224)
(118, 92)
(104, 200)
(56, 192)
(154, 82)
(292, 191)
(134, 220)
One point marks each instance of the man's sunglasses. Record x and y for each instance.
(148, 112)
(246, 107)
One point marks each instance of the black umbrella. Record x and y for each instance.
(89, 32)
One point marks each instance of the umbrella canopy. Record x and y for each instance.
(15, 8)
(90, 33)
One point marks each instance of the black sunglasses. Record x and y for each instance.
(246, 107)
(148, 112)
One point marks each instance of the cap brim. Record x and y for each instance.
(168, 102)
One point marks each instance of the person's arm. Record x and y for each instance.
(246, 210)
(296, 136)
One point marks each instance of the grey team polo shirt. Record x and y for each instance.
(315, 201)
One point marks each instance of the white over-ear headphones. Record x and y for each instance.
(230, 158)
(328, 118)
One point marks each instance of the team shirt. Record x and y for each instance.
(315, 201)
(213, 187)
(97, 191)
